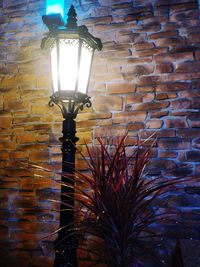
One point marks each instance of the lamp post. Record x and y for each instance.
(71, 48)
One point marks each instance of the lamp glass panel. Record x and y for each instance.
(54, 69)
(68, 64)
(84, 68)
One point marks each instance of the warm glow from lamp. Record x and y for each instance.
(70, 64)
(55, 6)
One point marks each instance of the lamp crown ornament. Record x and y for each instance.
(72, 20)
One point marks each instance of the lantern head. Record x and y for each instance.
(71, 48)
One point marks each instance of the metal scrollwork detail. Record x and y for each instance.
(70, 104)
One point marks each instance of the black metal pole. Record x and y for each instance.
(65, 245)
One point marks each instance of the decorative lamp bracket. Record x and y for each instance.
(71, 104)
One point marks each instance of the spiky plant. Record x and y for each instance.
(119, 219)
(115, 209)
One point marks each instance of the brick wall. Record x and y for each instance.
(145, 81)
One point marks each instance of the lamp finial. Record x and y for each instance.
(71, 21)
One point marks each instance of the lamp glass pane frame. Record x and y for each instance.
(71, 60)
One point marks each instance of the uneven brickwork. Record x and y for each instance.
(145, 81)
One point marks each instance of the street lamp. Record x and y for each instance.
(71, 48)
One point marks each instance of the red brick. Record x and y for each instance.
(93, 116)
(43, 138)
(124, 117)
(26, 138)
(86, 124)
(196, 84)
(190, 66)
(164, 133)
(170, 25)
(176, 123)
(170, 42)
(190, 94)
(174, 77)
(120, 87)
(39, 156)
(197, 169)
(5, 122)
(188, 133)
(133, 98)
(7, 145)
(109, 76)
(97, 20)
(158, 114)
(9, 82)
(38, 127)
(151, 105)
(193, 156)
(148, 97)
(150, 52)
(187, 48)
(112, 26)
(137, 98)
(181, 104)
(164, 68)
(131, 71)
(144, 46)
(193, 38)
(193, 115)
(4, 233)
(163, 34)
(105, 122)
(197, 55)
(110, 131)
(194, 123)
(135, 126)
(153, 26)
(4, 155)
(168, 154)
(172, 57)
(196, 143)
(176, 86)
(18, 172)
(131, 141)
(162, 164)
(145, 89)
(161, 96)
(173, 144)
(183, 5)
(139, 60)
(184, 16)
(103, 103)
(150, 80)
(128, 37)
(139, 16)
(18, 155)
(84, 138)
(41, 109)
(154, 124)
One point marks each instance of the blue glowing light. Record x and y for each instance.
(55, 6)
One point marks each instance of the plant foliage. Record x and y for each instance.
(115, 207)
